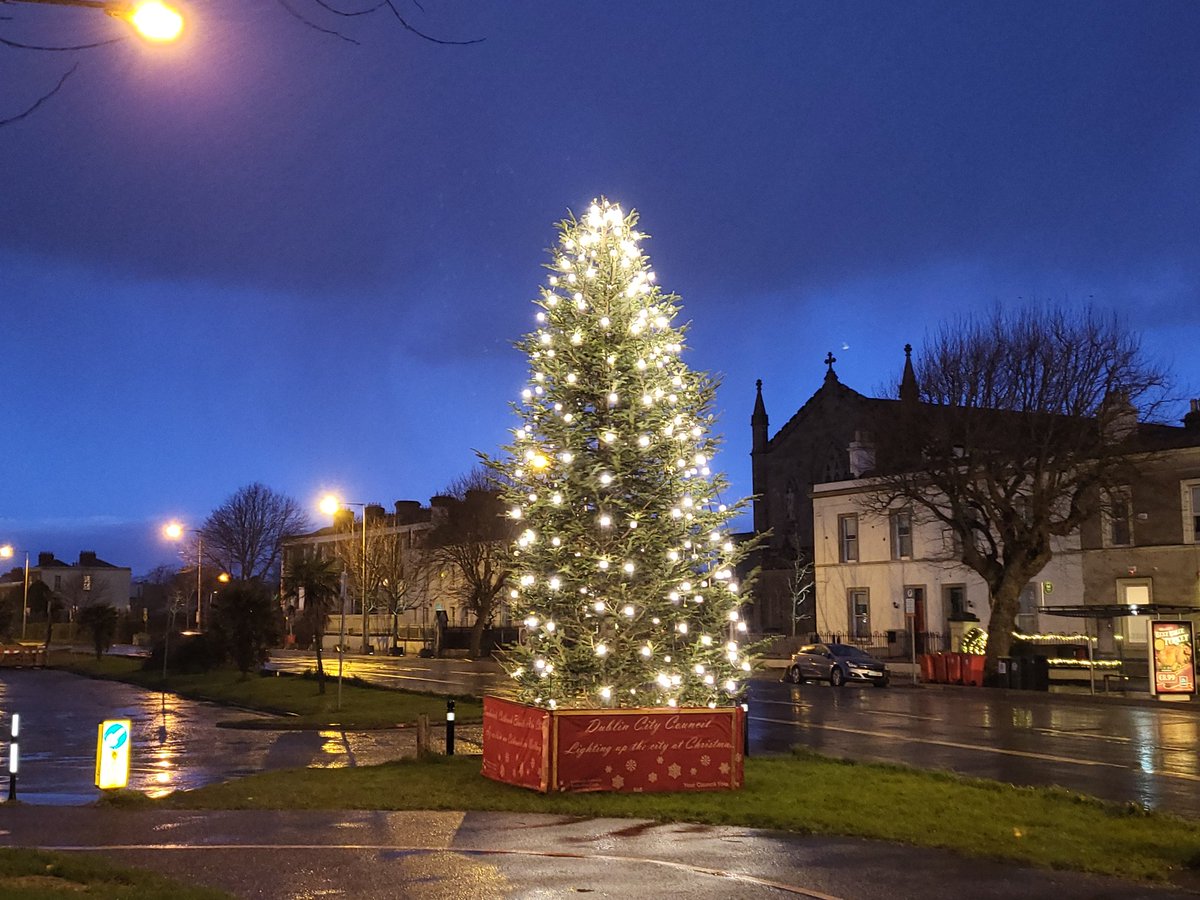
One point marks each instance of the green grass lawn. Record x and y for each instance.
(805, 793)
(39, 875)
(363, 706)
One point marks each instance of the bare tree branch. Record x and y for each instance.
(33, 108)
(313, 25)
(404, 23)
(16, 45)
(348, 13)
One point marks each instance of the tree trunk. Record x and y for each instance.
(1006, 603)
(320, 665)
(477, 637)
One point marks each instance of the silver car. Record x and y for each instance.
(837, 664)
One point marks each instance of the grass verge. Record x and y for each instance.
(37, 874)
(806, 793)
(363, 705)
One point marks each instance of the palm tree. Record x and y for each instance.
(317, 583)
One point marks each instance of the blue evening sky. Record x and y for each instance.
(271, 254)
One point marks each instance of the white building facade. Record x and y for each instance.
(885, 581)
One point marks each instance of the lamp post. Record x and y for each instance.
(152, 19)
(330, 505)
(174, 531)
(6, 552)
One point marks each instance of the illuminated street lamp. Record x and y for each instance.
(330, 505)
(154, 20)
(174, 531)
(6, 552)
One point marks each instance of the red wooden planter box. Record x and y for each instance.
(627, 750)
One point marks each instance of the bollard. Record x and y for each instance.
(449, 727)
(422, 735)
(14, 757)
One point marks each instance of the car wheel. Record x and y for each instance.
(836, 677)
(794, 675)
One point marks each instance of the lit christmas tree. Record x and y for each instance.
(624, 571)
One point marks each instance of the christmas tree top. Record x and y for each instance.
(623, 573)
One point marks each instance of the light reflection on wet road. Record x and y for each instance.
(1146, 754)
(176, 745)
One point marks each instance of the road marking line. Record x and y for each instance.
(872, 712)
(1046, 757)
(466, 851)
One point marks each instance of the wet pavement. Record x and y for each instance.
(177, 743)
(480, 856)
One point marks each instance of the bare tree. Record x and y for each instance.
(1024, 420)
(471, 540)
(393, 571)
(244, 535)
(801, 589)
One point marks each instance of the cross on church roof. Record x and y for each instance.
(830, 359)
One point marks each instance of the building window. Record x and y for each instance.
(951, 543)
(1134, 592)
(1027, 615)
(954, 596)
(902, 543)
(860, 614)
(1118, 531)
(848, 538)
(1191, 512)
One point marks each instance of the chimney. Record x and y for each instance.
(1119, 417)
(1192, 420)
(862, 454)
(87, 558)
(45, 559)
(408, 511)
(343, 520)
(373, 513)
(439, 509)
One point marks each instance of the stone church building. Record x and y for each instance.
(830, 438)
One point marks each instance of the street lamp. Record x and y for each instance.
(174, 531)
(330, 505)
(152, 19)
(6, 552)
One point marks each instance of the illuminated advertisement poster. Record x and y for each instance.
(1172, 661)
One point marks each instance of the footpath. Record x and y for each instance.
(305, 854)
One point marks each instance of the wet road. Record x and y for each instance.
(1149, 754)
(176, 746)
